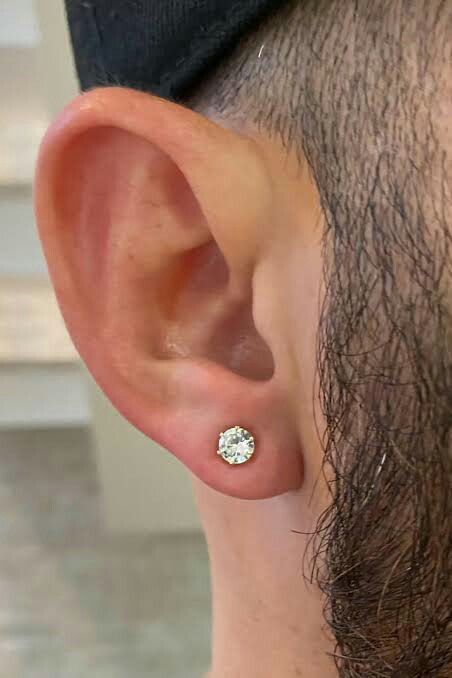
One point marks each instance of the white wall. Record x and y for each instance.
(20, 250)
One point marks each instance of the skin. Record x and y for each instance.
(120, 243)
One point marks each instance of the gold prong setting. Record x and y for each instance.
(236, 445)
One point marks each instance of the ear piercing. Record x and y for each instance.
(236, 445)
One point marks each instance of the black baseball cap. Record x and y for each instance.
(164, 47)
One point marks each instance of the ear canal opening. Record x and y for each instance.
(200, 318)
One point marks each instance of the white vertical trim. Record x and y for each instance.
(18, 25)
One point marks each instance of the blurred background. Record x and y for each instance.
(103, 568)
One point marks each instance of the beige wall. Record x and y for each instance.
(144, 488)
(55, 63)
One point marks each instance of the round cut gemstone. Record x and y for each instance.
(236, 445)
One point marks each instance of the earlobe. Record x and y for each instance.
(149, 229)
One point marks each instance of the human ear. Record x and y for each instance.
(150, 219)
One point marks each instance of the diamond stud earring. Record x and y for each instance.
(236, 445)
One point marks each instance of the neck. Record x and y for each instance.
(267, 619)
